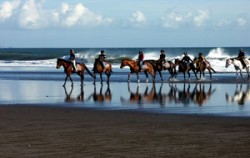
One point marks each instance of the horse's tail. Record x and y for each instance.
(111, 68)
(89, 72)
(213, 70)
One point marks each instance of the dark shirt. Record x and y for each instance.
(241, 54)
(102, 57)
(72, 56)
(140, 57)
(186, 58)
(162, 57)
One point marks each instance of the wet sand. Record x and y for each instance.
(28, 131)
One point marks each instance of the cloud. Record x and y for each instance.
(241, 22)
(201, 18)
(80, 15)
(174, 20)
(138, 18)
(32, 16)
(7, 8)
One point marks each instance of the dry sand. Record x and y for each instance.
(72, 132)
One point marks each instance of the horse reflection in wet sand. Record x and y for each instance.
(198, 95)
(68, 95)
(147, 97)
(240, 96)
(100, 97)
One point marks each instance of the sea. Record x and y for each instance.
(46, 57)
(28, 76)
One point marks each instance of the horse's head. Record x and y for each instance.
(228, 62)
(177, 61)
(58, 63)
(124, 62)
(195, 60)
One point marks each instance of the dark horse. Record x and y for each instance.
(158, 67)
(98, 69)
(134, 68)
(68, 69)
(185, 68)
(202, 66)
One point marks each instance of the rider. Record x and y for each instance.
(186, 59)
(202, 58)
(102, 58)
(241, 57)
(162, 59)
(140, 59)
(72, 59)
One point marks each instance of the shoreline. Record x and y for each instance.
(70, 132)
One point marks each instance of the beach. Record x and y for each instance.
(41, 118)
(28, 131)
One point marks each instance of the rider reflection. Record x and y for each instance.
(200, 96)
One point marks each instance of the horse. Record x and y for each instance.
(201, 66)
(238, 66)
(185, 68)
(158, 66)
(134, 68)
(99, 69)
(68, 69)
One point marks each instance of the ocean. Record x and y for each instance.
(46, 57)
(29, 76)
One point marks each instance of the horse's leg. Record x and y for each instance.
(108, 76)
(137, 75)
(101, 77)
(210, 73)
(65, 80)
(241, 73)
(71, 81)
(160, 75)
(145, 72)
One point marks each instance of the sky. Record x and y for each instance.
(124, 23)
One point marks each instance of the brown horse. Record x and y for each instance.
(202, 66)
(185, 68)
(99, 69)
(158, 66)
(68, 69)
(134, 68)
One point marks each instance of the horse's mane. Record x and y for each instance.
(61, 59)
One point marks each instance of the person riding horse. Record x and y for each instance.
(162, 59)
(72, 59)
(140, 59)
(203, 59)
(241, 57)
(102, 58)
(186, 59)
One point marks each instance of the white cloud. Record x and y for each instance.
(174, 20)
(138, 18)
(7, 8)
(201, 18)
(32, 16)
(241, 22)
(80, 15)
